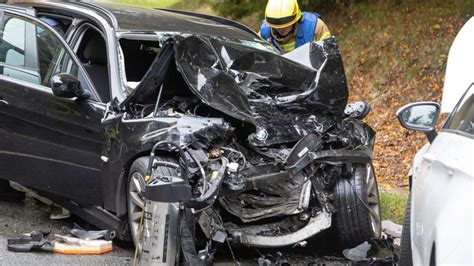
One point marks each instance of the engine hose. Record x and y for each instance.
(213, 188)
(203, 173)
(152, 157)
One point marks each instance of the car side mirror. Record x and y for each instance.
(420, 116)
(358, 110)
(66, 86)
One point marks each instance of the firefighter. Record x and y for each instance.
(287, 28)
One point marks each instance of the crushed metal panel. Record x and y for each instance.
(263, 88)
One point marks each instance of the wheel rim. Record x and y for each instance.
(135, 204)
(373, 201)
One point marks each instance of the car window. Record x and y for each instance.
(14, 33)
(13, 52)
(31, 52)
(462, 117)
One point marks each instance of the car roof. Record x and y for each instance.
(137, 18)
(132, 18)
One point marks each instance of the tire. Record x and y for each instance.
(353, 222)
(405, 245)
(135, 184)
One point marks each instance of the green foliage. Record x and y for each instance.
(392, 206)
(237, 9)
(150, 3)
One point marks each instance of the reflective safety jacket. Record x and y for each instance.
(309, 28)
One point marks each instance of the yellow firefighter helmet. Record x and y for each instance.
(282, 13)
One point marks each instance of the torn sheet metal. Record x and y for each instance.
(281, 97)
(277, 95)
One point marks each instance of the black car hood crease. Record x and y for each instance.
(275, 94)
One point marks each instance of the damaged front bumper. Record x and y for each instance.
(250, 238)
(259, 167)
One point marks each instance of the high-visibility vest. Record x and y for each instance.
(305, 33)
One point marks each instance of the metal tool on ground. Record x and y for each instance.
(79, 232)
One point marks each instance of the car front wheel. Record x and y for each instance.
(405, 247)
(135, 187)
(357, 217)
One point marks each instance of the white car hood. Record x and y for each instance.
(459, 69)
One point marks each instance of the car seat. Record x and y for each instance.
(95, 55)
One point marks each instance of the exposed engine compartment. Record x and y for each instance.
(263, 139)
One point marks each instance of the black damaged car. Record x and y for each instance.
(107, 109)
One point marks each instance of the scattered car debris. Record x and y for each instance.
(358, 253)
(382, 252)
(58, 213)
(392, 229)
(264, 262)
(79, 232)
(88, 244)
(34, 241)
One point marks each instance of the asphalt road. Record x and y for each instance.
(31, 215)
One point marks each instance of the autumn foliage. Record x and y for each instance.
(395, 55)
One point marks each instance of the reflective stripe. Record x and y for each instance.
(327, 34)
(288, 47)
(281, 21)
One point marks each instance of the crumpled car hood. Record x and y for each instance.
(278, 95)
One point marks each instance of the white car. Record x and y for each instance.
(438, 228)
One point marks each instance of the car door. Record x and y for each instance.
(48, 143)
(443, 193)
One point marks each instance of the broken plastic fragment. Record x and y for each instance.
(219, 236)
(392, 229)
(358, 253)
(301, 244)
(92, 235)
(264, 262)
(33, 241)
